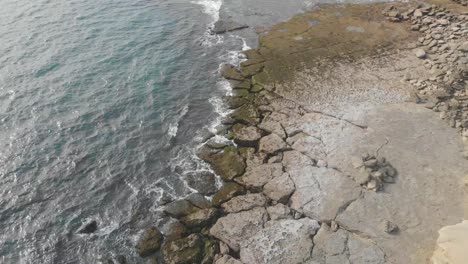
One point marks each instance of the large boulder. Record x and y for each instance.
(272, 123)
(257, 176)
(228, 164)
(186, 250)
(279, 211)
(343, 247)
(226, 259)
(231, 73)
(280, 188)
(246, 135)
(180, 208)
(204, 182)
(244, 202)
(272, 144)
(281, 242)
(150, 242)
(201, 218)
(313, 188)
(237, 227)
(226, 192)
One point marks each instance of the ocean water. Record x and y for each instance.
(102, 107)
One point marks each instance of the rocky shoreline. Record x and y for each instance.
(329, 162)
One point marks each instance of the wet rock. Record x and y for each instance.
(198, 200)
(180, 208)
(150, 242)
(88, 228)
(246, 114)
(279, 211)
(204, 182)
(223, 26)
(185, 250)
(228, 191)
(279, 188)
(246, 136)
(244, 202)
(227, 164)
(272, 144)
(231, 73)
(313, 188)
(237, 227)
(226, 259)
(174, 230)
(257, 176)
(200, 219)
(210, 249)
(281, 242)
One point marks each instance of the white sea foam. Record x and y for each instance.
(210, 7)
(174, 127)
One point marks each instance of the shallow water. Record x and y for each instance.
(102, 105)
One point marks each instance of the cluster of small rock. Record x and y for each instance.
(443, 46)
(373, 172)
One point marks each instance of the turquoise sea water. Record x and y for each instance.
(101, 106)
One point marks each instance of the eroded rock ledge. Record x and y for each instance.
(346, 143)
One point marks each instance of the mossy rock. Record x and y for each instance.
(227, 164)
(246, 84)
(210, 249)
(233, 102)
(253, 57)
(256, 88)
(241, 92)
(228, 191)
(180, 208)
(200, 219)
(231, 73)
(262, 78)
(150, 242)
(246, 114)
(186, 250)
(249, 71)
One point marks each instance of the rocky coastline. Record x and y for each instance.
(348, 132)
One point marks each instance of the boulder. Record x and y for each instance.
(272, 123)
(313, 188)
(280, 242)
(150, 242)
(231, 73)
(237, 227)
(226, 192)
(174, 230)
(272, 143)
(294, 158)
(198, 200)
(246, 136)
(200, 219)
(180, 208)
(257, 176)
(279, 211)
(246, 114)
(226, 259)
(227, 164)
(185, 250)
(343, 247)
(204, 182)
(223, 26)
(279, 188)
(244, 202)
